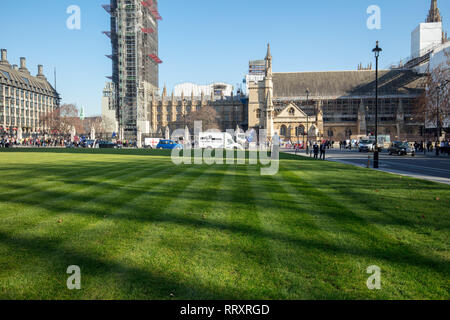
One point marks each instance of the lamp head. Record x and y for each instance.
(377, 50)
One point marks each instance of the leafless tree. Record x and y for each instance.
(207, 115)
(61, 119)
(434, 104)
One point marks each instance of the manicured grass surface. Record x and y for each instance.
(141, 228)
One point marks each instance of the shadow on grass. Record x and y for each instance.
(155, 286)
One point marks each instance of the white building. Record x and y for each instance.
(425, 37)
(108, 109)
(429, 43)
(218, 89)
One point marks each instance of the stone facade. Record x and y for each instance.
(334, 105)
(171, 111)
(24, 99)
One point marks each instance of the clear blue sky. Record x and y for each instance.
(209, 40)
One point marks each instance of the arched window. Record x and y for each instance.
(330, 133)
(258, 113)
(283, 131)
(300, 131)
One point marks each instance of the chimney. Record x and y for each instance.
(15, 67)
(23, 65)
(4, 60)
(40, 74)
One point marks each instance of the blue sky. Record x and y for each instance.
(209, 40)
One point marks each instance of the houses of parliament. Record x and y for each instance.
(333, 105)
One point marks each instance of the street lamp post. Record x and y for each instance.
(367, 120)
(307, 122)
(377, 51)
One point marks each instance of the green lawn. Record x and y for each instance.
(141, 228)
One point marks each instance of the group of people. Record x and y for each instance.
(347, 144)
(8, 142)
(429, 146)
(37, 142)
(319, 149)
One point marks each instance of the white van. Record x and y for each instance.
(241, 139)
(151, 142)
(217, 140)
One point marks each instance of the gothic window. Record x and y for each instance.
(330, 133)
(300, 131)
(283, 131)
(258, 113)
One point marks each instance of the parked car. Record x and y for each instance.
(401, 149)
(367, 145)
(168, 145)
(88, 144)
(106, 145)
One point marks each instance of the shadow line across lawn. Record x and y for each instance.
(159, 285)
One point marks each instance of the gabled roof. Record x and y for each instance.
(285, 112)
(336, 84)
(23, 79)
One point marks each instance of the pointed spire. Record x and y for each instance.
(192, 95)
(268, 62)
(165, 91)
(434, 15)
(268, 55)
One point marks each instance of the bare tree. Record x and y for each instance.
(207, 115)
(93, 122)
(61, 120)
(433, 107)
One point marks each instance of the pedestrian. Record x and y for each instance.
(316, 150)
(323, 148)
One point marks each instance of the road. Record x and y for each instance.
(421, 166)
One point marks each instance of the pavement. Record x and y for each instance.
(428, 167)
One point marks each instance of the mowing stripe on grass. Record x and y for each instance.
(50, 202)
(73, 245)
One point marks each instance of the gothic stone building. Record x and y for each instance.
(171, 111)
(334, 105)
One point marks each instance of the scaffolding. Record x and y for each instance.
(134, 38)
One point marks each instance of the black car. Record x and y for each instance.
(106, 145)
(401, 149)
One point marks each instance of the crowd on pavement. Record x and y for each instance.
(8, 142)
(430, 146)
